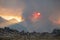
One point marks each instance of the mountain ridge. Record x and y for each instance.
(4, 22)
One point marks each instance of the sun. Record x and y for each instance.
(36, 15)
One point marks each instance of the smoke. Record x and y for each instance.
(17, 8)
(55, 19)
(11, 7)
(10, 12)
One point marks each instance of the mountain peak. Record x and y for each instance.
(13, 21)
(2, 20)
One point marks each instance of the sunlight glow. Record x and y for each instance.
(19, 19)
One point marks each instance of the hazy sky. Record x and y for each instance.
(49, 9)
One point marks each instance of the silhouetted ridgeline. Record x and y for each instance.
(11, 34)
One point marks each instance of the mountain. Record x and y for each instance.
(13, 21)
(5, 23)
(2, 20)
(13, 24)
(18, 27)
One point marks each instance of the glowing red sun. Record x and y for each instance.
(36, 15)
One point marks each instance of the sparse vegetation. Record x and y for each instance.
(10, 34)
